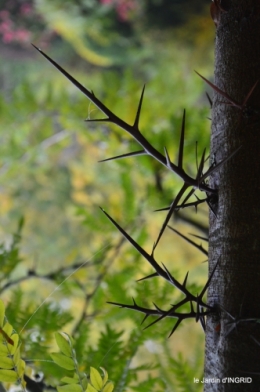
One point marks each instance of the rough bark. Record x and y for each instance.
(235, 231)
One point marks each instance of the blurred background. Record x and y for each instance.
(51, 183)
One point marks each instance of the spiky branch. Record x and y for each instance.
(190, 298)
(196, 303)
(147, 149)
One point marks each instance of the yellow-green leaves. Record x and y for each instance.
(70, 388)
(64, 343)
(79, 381)
(12, 367)
(63, 361)
(108, 387)
(95, 378)
(8, 375)
(97, 383)
(70, 380)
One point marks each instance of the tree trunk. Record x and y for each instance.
(234, 239)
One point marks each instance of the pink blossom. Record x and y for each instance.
(5, 26)
(22, 35)
(124, 8)
(8, 37)
(26, 9)
(106, 1)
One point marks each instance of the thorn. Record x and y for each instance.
(185, 279)
(136, 123)
(139, 249)
(116, 304)
(189, 241)
(85, 91)
(209, 280)
(233, 103)
(200, 237)
(175, 327)
(168, 161)
(210, 100)
(202, 320)
(148, 277)
(65, 73)
(217, 166)
(157, 308)
(98, 119)
(256, 341)
(153, 249)
(201, 166)
(171, 279)
(187, 198)
(162, 209)
(157, 320)
(249, 94)
(170, 212)
(145, 317)
(130, 154)
(197, 310)
(181, 146)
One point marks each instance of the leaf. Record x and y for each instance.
(108, 387)
(8, 375)
(6, 332)
(63, 361)
(12, 347)
(6, 363)
(91, 389)
(105, 377)
(63, 344)
(70, 388)
(16, 357)
(6, 337)
(95, 378)
(2, 313)
(70, 380)
(20, 368)
(8, 329)
(20, 224)
(84, 382)
(4, 351)
(9, 349)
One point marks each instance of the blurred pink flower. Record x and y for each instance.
(26, 9)
(22, 35)
(8, 37)
(124, 8)
(5, 26)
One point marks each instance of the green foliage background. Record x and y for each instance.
(61, 260)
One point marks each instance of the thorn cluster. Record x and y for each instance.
(245, 110)
(190, 185)
(238, 320)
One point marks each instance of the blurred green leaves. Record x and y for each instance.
(68, 262)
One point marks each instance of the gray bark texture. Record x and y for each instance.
(234, 239)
